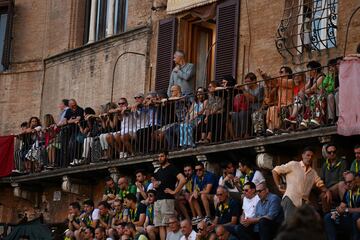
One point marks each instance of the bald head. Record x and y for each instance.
(186, 227)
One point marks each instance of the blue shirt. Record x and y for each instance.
(225, 211)
(270, 208)
(208, 178)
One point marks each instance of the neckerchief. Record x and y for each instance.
(353, 198)
(249, 177)
(356, 166)
(223, 207)
(133, 214)
(328, 166)
(119, 215)
(151, 213)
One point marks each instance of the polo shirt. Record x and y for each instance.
(208, 178)
(225, 211)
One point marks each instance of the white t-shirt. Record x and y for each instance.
(95, 214)
(192, 236)
(174, 236)
(249, 206)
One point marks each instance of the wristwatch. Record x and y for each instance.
(347, 210)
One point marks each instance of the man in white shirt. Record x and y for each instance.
(249, 202)
(174, 232)
(186, 229)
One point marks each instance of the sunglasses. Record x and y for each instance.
(246, 190)
(198, 169)
(260, 190)
(121, 103)
(331, 152)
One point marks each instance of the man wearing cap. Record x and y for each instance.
(183, 74)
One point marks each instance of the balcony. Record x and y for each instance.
(274, 111)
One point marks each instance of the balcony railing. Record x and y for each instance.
(218, 114)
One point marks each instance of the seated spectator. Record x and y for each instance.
(100, 233)
(355, 165)
(183, 198)
(89, 233)
(203, 232)
(304, 224)
(137, 211)
(246, 102)
(125, 188)
(205, 184)
(151, 230)
(327, 89)
(105, 217)
(275, 114)
(141, 184)
(299, 98)
(131, 232)
(90, 216)
(299, 173)
(174, 232)
(316, 103)
(187, 231)
(33, 155)
(111, 190)
(332, 174)
(250, 201)
(127, 133)
(90, 128)
(227, 210)
(193, 118)
(227, 180)
(119, 214)
(248, 174)
(222, 234)
(267, 219)
(74, 217)
(347, 214)
(211, 125)
(110, 124)
(52, 144)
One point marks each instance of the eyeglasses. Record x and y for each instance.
(121, 103)
(260, 190)
(348, 182)
(198, 169)
(331, 152)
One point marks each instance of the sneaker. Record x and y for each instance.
(290, 120)
(269, 131)
(303, 124)
(196, 220)
(122, 155)
(74, 162)
(207, 220)
(314, 122)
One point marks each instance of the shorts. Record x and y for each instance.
(163, 210)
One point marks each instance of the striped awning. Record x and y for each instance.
(175, 6)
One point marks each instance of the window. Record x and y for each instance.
(104, 18)
(6, 14)
(306, 26)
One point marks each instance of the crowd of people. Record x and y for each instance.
(224, 110)
(195, 204)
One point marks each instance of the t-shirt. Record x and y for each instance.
(352, 198)
(130, 189)
(249, 206)
(208, 178)
(114, 191)
(167, 178)
(79, 112)
(174, 236)
(150, 213)
(225, 211)
(134, 214)
(192, 236)
(355, 167)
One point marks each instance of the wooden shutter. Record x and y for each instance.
(165, 50)
(87, 21)
(227, 30)
(8, 35)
